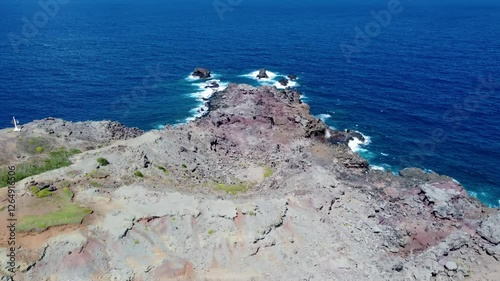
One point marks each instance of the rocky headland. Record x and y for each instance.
(256, 189)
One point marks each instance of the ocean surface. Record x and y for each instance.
(422, 84)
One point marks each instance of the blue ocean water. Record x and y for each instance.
(424, 87)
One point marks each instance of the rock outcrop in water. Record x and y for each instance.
(257, 189)
(283, 82)
(262, 73)
(202, 73)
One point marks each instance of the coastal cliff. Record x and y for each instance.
(256, 189)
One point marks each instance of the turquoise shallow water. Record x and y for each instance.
(424, 89)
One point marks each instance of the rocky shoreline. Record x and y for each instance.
(255, 189)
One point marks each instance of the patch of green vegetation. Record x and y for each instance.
(102, 161)
(136, 241)
(34, 145)
(65, 184)
(252, 213)
(232, 188)
(55, 160)
(268, 171)
(211, 231)
(173, 219)
(34, 190)
(44, 193)
(95, 184)
(184, 166)
(67, 194)
(97, 174)
(3, 208)
(163, 170)
(138, 174)
(68, 214)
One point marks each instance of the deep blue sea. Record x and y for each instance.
(422, 85)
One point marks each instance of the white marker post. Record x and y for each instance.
(15, 122)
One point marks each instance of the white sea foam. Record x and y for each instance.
(192, 78)
(160, 127)
(375, 167)
(202, 95)
(291, 84)
(270, 74)
(323, 117)
(356, 145)
(384, 154)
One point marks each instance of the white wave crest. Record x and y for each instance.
(323, 117)
(270, 74)
(356, 145)
(202, 95)
(192, 78)
(291, 84)
(378, 168)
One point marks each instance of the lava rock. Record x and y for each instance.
(490, 228)
(202, 73)
(452, 266)
(284, 82)
(212, 85)
(262, 73)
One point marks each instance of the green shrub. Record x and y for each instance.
(184, 166)
(138, 174)
(39, 149)
(44, 193)
(102, 161)
(164, 170)
(211, 231)
(34, 190)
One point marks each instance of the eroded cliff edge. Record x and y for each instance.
(257, 189)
